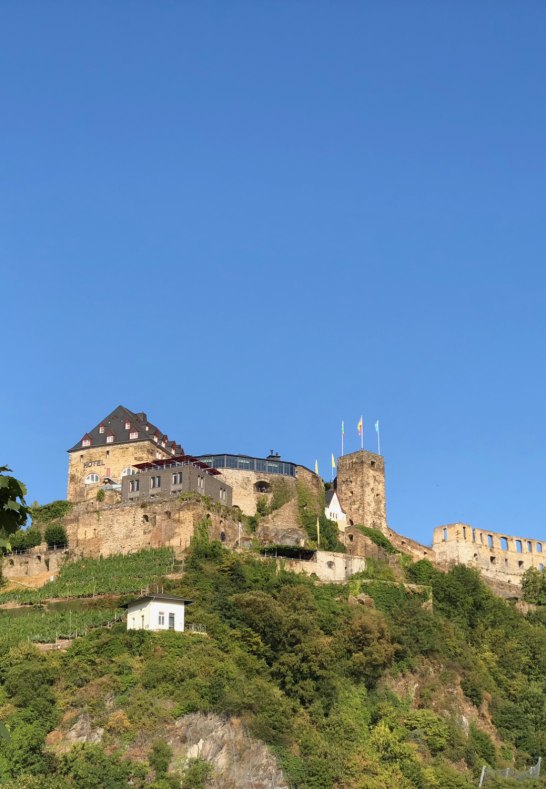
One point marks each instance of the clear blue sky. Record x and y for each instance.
(253, 220)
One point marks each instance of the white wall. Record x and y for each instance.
(335, 513)
(145, 615)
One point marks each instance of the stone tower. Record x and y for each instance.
(361, 489)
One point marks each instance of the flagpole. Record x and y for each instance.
(378, 437)
(362, 433)
(342, 436)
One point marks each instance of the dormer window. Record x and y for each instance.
(101, 429)
(133, 434)
(147, 428)
(109, 439)
(162, 443)
(127, 425)
(86, 442)
(155, 439)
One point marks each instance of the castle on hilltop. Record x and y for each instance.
(132, 488)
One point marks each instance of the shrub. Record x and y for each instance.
(24, 539)
(197, 774)
(378, 538)
(55, 536)
(46, 513)
(160, 757)
(100, 494)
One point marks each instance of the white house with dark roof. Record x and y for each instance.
(157, 612)
(334, 511)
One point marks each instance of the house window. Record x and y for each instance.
(133, 434)
(177, 478)
(156, 439)
(91, 479)
(127, 472)
(101, 429)
(161, 619)
(134, 485)
(127, 425)
(109, 439)
(162, 443)
(171, 621)
(155, 482)
(86, 442)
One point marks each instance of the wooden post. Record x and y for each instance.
(482, 776)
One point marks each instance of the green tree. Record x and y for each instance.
(55, 536)
(13, 507)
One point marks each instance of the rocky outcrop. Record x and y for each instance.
(239, 761)
(280, 527)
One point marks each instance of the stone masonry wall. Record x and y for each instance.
(34, 562)
(361, 489)
(245, 485)
(498, 556)
(106, 461)
(124, 528)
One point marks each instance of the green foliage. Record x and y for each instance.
(533, 585)
(262, 507)
(197, 774)
(117, 574)
(13, 508)
(281, 494)
(101, 494)
(45, 513)
(55, 536)
(87, 765)
(160, 757)
(378, 538)
(24, 539)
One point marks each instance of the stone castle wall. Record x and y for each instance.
(498, 556)
(106, 461)
(123, 528)
(361, 489)
(247, 485)
(37, 561)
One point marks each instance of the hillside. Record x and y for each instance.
(295, 683)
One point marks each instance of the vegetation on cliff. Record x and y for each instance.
(347, 694)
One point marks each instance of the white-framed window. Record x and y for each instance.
(177, 478)
(86, 442)
(162, 443)
(155, 482)
(133, 434)
(101, 429)
(134, 485)
(128, 472)
(127, 425)
(161, 618)
(92, 479)
(109, 439)
(156, 439)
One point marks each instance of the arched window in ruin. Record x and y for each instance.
(529, 546)
(445, 535)
(489, 540)
(539, 547)
(504, 543)
(519, 547)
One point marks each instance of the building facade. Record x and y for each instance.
(108, 452)
(172, 477)
(361, 489)
(334, 511)
(157, 612)
(253, 478)
(496, 555)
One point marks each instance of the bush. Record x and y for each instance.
(25, 538)
(55, 536)
(160, 758)
(197, 774)
(378, 538)
(46, 513)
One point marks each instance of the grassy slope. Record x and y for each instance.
(307, 673)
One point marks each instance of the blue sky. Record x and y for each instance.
(254, 220)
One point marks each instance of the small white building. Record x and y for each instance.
(156, 612)
(333, 510)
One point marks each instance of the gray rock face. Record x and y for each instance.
(239, 761)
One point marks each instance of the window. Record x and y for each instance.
(445, 535)
(529, 546)
(155, 439)
(86, 442)
(109, 439)
(101, 429)
(539, 547)
(177, 478)
(504, 543)
(490, 540)
(162, 443)
(520, 565)
(171, 621)
(464, 532)
(127, 472)
(541, 567)
(133, 434)
(155, 482)
(91, 479)
(519, 547)
(161, 619)
(134, 485)
(127, 425)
